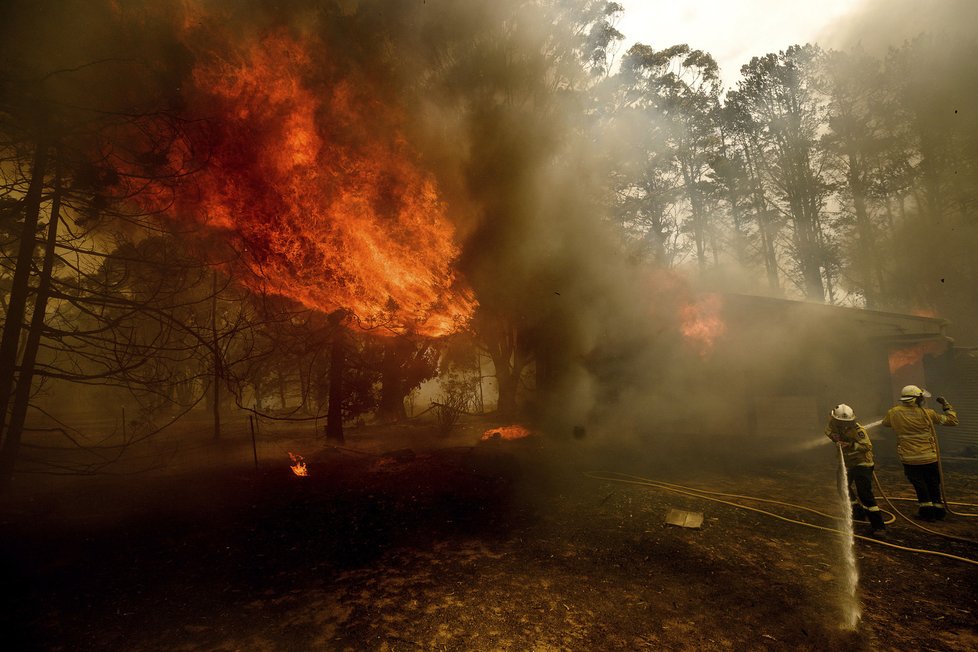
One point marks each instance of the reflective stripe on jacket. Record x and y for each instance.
(914, 426)
(860, 450)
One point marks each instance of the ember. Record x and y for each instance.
(298, 465)
(505, 432)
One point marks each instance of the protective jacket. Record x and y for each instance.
(914, 426)
(859, 451)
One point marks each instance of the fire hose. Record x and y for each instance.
(715, 496)
(940, 471)
(913, 522)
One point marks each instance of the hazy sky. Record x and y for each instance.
(732, 31)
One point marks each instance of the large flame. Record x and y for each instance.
(911, 355)
(701, 323)
(308, 172)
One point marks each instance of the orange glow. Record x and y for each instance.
(701, 324)
(298, 465)
(506, 432)
(910, 355)
(307, 172)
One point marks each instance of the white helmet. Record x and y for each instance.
(843, 412)
(912, 393)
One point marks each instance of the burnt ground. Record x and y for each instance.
(483, 546)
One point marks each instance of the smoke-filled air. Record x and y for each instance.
(487, 325)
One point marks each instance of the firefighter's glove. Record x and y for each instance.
(944, 403)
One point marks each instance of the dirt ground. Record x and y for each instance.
(453, 544)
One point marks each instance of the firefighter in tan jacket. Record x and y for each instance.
(917, 446)
(857, 451)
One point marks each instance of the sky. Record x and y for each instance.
(732, 31)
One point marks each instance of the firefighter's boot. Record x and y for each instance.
(925, 513)
(876, 522)
(858, 512)
(939, 512)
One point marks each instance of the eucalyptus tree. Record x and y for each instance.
(932, 174)
(645, 181)
(859, 107)
(758, 225)
(663, 106)
(787, 113)
(689, 86)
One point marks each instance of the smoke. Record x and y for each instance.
(928, 52)
(526, 185)
(878, 25)
(484, 90)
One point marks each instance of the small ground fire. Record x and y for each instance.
(298, 465)
(505, 432)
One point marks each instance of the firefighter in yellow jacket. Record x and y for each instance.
(857, 450)
(917, 446)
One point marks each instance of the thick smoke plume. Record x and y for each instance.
(479, 86)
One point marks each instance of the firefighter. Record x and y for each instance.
(857, 450)
(917, 447)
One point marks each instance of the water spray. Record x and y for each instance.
(818, 441)
(850, 602)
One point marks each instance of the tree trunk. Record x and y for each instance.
(478, 362)
(281, 387)
(337, 364)
(770, 254)
(806, 239)
(768, 234)
(506, 360)
(867, 241)
(216, 354)
(19, 290)
(22, 397)
(507, 384)
(698, 214)
(305, 390)
(502, 341)
(392, 393)
(259, 395)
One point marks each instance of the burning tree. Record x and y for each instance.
(306, 170)
(297, 164)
